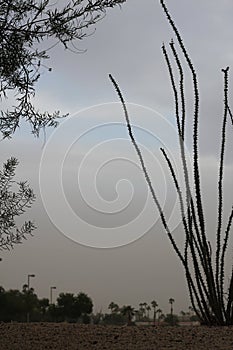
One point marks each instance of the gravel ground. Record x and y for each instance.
(42, 336)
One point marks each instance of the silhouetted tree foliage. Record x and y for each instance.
(43, 307)
(15, 198)
(113, 307)
(119, 315)
(24, 26)
(14, 306)
(114, 318)
(30, 299)
(97, 318)
(171, 320)
(71, 307)
(67, 304)
(204, 268)
(128, 311)
(84, 303)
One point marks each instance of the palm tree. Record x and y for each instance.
(159, 312)
(148, 308)
(154, 304)
(142, 308)
(141, 311)
(113, 307)
(171, 301)
(128, 311)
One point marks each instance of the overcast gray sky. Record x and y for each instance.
(89, 154)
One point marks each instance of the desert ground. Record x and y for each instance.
(42, 336)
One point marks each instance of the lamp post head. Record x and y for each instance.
(32, 275)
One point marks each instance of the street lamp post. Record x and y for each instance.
(28, 285)
(32, 275)
(51, 293)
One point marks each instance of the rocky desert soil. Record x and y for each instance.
(42, 336)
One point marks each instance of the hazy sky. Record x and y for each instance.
(87, 171)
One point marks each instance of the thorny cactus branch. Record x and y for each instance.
(206, 290)
(200, 301)
(195, 123)
(147, 177)
(220, 182)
